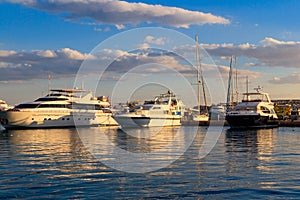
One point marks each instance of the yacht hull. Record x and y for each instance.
(54, 119)
(251, 121)
(142, 121)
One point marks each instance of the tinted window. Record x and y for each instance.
(25, 105)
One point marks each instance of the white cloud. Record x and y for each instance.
(152, 40)
(120, 26)
(273, 42)
(4, 65)
(251, 64)
(119, 13)
(224, 70)
(46, 53)
(143, 46)
(25, 65)
(293, 78)
(28, 64)
(75, 55)
(7, 53)
(270, 52)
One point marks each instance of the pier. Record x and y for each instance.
(289, 123)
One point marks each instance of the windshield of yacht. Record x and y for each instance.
(51, 99)
(245, 108)
(255, 97)
(141, 107)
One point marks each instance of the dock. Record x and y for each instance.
(289, 123)
(282, 123)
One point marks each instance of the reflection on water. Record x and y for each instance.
(45, 149)
(142, 150)
(58, 163)
(267, 154)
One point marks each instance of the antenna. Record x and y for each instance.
(49, 82)
(247, 85)
(82, 84)
(258, 88)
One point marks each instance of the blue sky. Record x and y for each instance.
(55, 36)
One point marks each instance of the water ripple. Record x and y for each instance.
(42, 164)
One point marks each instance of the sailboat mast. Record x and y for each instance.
(236, 80)
(229, 84)
(198, 73)
(203, 89)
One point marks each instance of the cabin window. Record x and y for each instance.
(156, 108)
(244, 108)
(264, 109)
(52, 106)
(174, 102)
(51, 99)
(27, 105)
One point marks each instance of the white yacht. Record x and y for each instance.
(217, 112)
(164, 110)
(4, 106)
(255, 111)
(61, 108)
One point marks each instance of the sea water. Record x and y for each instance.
(73, 164)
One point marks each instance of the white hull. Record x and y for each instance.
(48, 119)
(142, 121)
(164, 110)
(201, 118)
(255, 111)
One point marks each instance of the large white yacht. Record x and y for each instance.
(61, 108)
(164, 110)
(255, 111)
(4, 106)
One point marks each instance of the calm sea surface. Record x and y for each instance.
(56, 163)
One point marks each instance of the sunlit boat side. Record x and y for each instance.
(164, 110)
(61, 108)
(255, 111)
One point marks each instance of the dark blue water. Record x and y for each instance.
(260, 164)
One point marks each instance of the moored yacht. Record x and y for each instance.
(164, 110)
(61, 108)
(4, 106)
(255, 111)
(217, 112)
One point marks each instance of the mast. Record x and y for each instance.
(229, 84)
(236, 80)
(198, 73)
(200, 79)
(247, 88)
